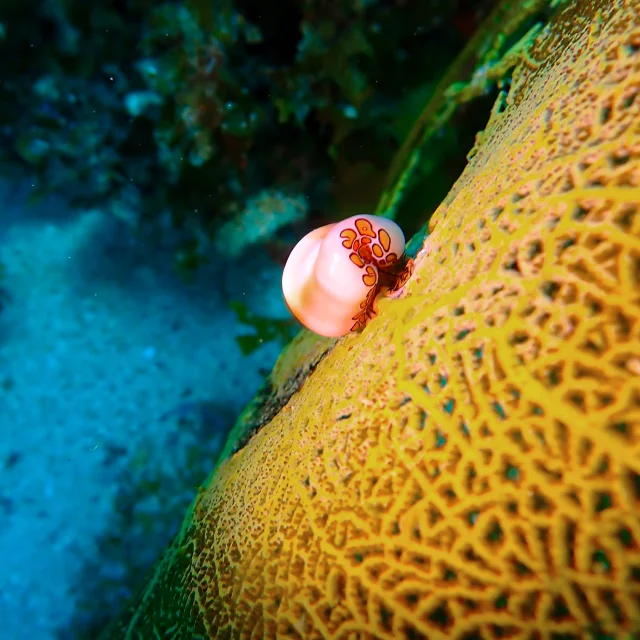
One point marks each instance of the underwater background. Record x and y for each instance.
(159, 160)
(468, 466)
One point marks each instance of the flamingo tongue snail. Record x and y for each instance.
(335, 273)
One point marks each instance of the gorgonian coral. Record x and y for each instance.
(469, 465)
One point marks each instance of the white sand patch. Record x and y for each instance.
(98, 340)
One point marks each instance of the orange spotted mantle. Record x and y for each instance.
(369, 250)
(469, 465)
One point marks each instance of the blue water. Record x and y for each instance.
(118, 382)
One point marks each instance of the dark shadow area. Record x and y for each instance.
(21, 203)
(447, 159)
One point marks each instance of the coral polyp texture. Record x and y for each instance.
(469, 465)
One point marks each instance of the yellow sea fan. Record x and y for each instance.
(469, 465)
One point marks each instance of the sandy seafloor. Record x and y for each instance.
(117, 383)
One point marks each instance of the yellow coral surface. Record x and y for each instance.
(469, 465)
